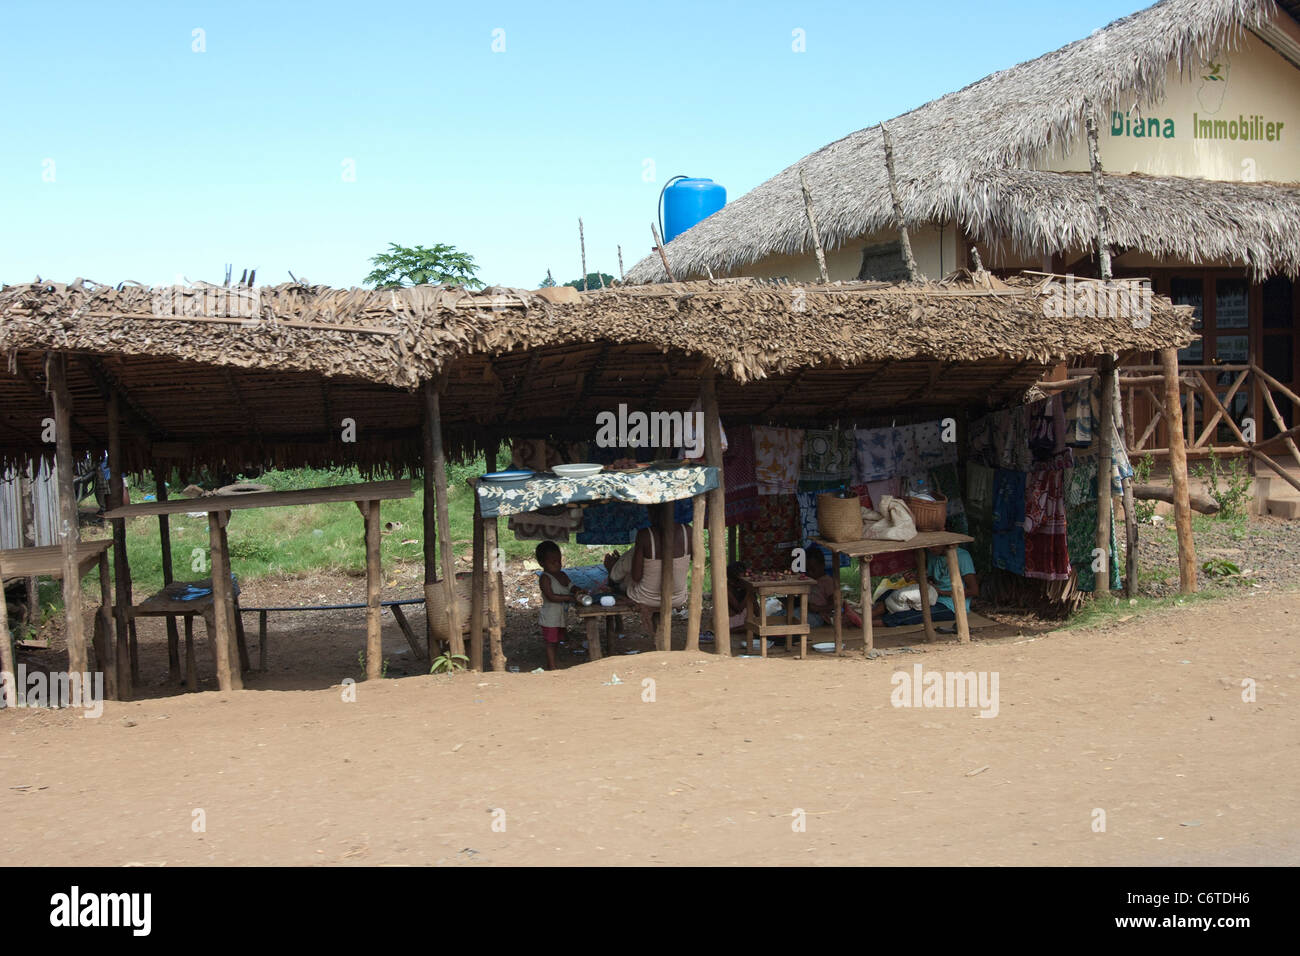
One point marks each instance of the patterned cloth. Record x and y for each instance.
(614, 522)
(1009, 520)
(1081, 521)
(909, 456)
(643, 488)
(739, 478)
(827, 455)
(945, 480)
(979, 513)
(1081, 409)
(876, 454)
(552, 524)
(1011, 438)
(979, 443)
(765, 544)
(931, 449)
(778, 452)
(1047, 552)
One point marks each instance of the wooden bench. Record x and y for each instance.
(394, 606)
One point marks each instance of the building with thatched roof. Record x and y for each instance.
(1198, 104)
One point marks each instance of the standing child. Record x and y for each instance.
(557, 591)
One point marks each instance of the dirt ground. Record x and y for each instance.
(1144, 720)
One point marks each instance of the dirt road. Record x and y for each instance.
(1145, 721)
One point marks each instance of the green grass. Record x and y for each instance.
(1101, 611)
(312, 538)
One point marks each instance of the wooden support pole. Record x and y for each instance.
(438, 463)
(228, 676)
(913, 273)
(668, 540)
(261, 638)
(374, 579)
(1120, 424)
(659, 247)
(127, 655)
(105, 651)
(495, 622)
(1106, 367)
(582, 251)
(7, 666)
(958, 594)
(1178, 472)
(1203, 504)
(69, 530)
(430, 536)
(165, 539)
(27, 506)
(812, 227)
(477, 583)
(695, 610)
(1099, 192)
(716, 514)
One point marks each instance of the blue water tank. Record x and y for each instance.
(687, 201)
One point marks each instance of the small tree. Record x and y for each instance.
(415, 265)
(595, 280)
(548, 282)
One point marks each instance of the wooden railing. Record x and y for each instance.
(1223, 409)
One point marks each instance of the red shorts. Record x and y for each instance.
(552, 634)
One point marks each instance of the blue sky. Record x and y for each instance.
(170, 162)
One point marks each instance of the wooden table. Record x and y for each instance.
(168, 603)
(864, 551)
(592, 616)
(366, 496)
(48, 561)
(758, 590)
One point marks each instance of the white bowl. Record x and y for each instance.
(576, 471)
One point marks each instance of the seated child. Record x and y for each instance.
(936, 569)
(737, 595)
(821, 600)
(557, 591)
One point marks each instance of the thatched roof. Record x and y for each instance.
(966, 158)
(277, 385)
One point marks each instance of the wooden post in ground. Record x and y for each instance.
(1178, 473)
(69, 530)
(27, 507)
(228, 676)
(430, 538)
(668, 540)
(10, 671)
(1106, 369)
(495, 623)
(128, 666)
(477, 583)
(695, 609)
(374, 625)
(716, 514)
(436, 462)
(105, 652)
(165, 539)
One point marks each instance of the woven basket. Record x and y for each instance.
(840, 519)
(436, 607)
(929, 515)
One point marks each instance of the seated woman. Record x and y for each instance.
(936, 569)
(638, 574)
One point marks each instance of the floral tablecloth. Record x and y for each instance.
(648, 487)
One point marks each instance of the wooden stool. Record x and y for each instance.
(612, 616)
(760, 589)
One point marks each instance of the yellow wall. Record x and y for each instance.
(1258, 86)
(844, 263)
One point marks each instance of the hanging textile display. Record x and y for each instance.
(1081, 521)
(827, 456)
(778, 453)
(765, 544)
(1009, 520)
(739, 478)
(1047, 552)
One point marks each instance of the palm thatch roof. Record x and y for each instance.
(969, 158)
(269, 375)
